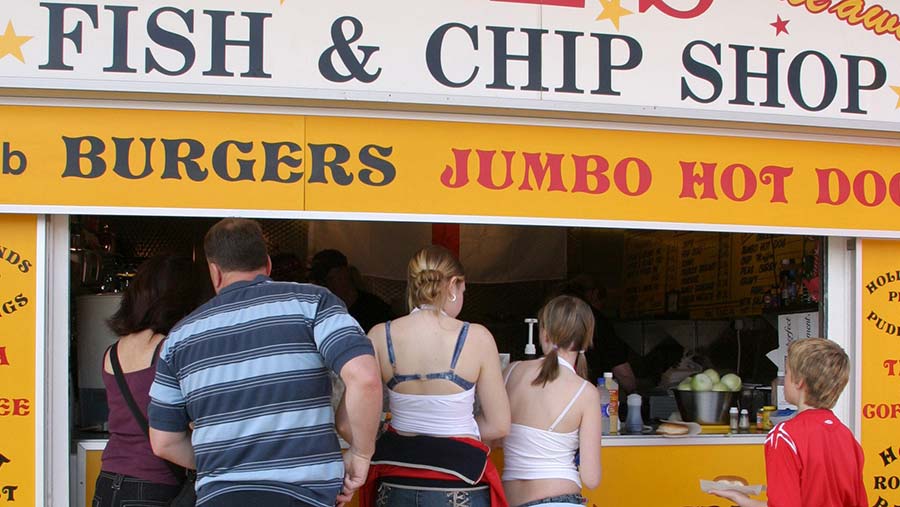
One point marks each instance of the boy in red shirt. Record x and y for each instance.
(812, 460)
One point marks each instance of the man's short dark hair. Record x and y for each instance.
(236, 244)
(323, 262)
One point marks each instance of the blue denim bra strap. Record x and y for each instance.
(444, 375)
(460, 342)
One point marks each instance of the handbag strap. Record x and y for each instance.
(176, 470)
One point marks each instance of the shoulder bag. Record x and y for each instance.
(187, 495)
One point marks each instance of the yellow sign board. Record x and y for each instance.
(151, 159)
(18, 240)
(78, 158)
(880, 365)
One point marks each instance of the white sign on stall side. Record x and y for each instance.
(823, 62)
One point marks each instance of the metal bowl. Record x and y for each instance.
(704, 407)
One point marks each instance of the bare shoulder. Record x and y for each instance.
(480, 337)
(590, 394)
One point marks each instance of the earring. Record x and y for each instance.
(452, 298)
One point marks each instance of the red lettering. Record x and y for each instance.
(486, 169)
(889, 364)
(534, 166)
(689, 179)
(894, 189)
(644, 176)
(859, 188)
(749, 184)
(462, 170)
(881, 411)
(825, 179)
(582, 173)
(701, 7)
(4, 361)
(21, 407)
(775, 176)
(4, 407)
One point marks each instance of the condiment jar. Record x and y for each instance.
(733, 419)
(744, 423)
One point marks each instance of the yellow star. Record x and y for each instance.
(613, 10)
(11, 44)
(897, 91)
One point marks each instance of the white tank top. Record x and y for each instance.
(532, 453)
(437, 415)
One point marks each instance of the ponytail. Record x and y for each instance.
(581, 365)
(549, 369)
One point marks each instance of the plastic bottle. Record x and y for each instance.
(744, 424)
(604, 406)
(634, 424)
(613, 387)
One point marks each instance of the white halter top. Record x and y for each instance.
(532, 453)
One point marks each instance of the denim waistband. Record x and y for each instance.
(573, 498)
(124, 478)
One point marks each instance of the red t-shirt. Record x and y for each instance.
(813, 460)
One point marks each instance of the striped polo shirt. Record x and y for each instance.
(251, 368)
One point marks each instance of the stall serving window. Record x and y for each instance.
(677, 302)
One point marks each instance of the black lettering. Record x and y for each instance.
(189, 160)
(25, 266)
(255, 44)
(743, 74)
(606, 67)
(701, 70)
(274, 159)
(220, 161)
(9, 155)
(433, 53)
(10, 491)
(502, 58)
(122, 166)
(120, 38)
(170, 40)
(796, 88)
(377, 163)
(853, 84)
(20, 300)
(56, 36)
(318, 153)
(74, 155)
(570, 62)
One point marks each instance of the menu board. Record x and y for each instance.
(18, 236)
(709, 275)
(879, 367)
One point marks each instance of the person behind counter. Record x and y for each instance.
(555, 412)
(434, 366)
(161, 293)
(812, 460)
(329, 268)
(609, 353)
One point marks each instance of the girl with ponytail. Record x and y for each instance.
(555, 412)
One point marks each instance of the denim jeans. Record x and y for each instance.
(573, 499)
(117, 490)
(407, 496)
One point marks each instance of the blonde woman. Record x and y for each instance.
(434, 367)
(555, 412)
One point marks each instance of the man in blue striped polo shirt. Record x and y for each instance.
(250, 370)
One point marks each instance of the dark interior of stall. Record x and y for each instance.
(680, 301)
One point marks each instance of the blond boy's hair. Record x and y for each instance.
(824, 368)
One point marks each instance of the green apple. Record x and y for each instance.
(685, 385)
(701, 382)
(720, 386)
(712, 374)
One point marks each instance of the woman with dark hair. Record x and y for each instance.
(161, 293)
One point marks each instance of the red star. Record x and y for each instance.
(781, 26)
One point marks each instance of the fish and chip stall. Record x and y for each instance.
(703, 136)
